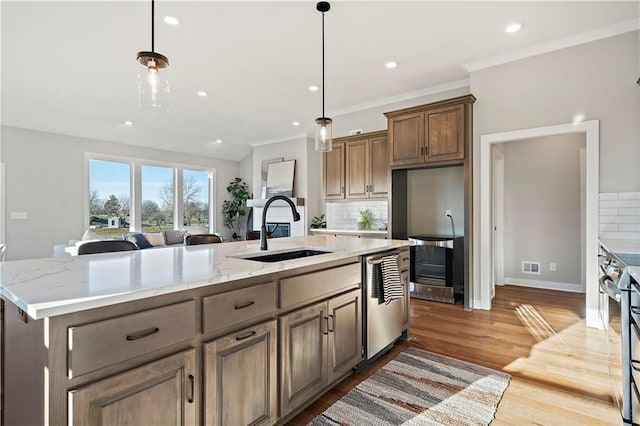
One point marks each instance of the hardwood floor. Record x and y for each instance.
(558, 366)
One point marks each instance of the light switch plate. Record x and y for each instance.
(19, 215)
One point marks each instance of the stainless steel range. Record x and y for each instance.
(620, 299)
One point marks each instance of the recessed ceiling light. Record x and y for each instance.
(513, 28)
(218, 141)
(128, 123)
(202, 93)
(314, 88)
(171, 20)
(296, 123)
(391, 64)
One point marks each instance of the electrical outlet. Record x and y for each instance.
(552, 266)
(447, 213)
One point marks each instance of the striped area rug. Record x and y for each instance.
(421, 388)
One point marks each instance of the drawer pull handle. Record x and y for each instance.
(143, 333)
(244, 305)
(633, 364)
(192, 389)
(635, 310)
(245, 336)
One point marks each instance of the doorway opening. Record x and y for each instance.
(488, 269)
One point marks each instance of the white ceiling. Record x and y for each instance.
(70, 67)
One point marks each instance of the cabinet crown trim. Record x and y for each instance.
(447, 102)
(368, 135)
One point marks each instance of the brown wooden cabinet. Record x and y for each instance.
(431, 133)
(160, 392)
(333, 172)
(365, 167)
(240, 379)
(319, 345)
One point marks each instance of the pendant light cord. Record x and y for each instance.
(152, 25)
(323, 65)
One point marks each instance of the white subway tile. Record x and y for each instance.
(620, 219)
(619, 203)
(629, 196)
(629, 227)
(608, 196)
(608, 227)
(621, 235)
(629, 212)
(608, 212)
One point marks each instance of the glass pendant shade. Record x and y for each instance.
(153, 82)
(323, 134)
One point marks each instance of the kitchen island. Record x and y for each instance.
(182, 335)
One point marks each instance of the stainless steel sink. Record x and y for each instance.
(286, 255)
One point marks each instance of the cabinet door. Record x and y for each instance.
(345, 333)
(161, 392)
(240, 377)
(333, 168)
(406, 138)
(357, 170)
(303, 363)
(404, 280)
(444, 128)
(379, 154)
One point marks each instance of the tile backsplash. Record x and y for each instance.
(619, 215)
(344, 215)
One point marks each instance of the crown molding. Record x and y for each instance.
(282, 139)
(586, 37)
(401, 97)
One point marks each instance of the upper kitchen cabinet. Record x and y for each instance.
(431, 133)
(333, 172)
(364, 160)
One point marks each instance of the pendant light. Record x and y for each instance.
(323, 124)
(153, 85)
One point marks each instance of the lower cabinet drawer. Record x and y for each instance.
(99, 344)
(225, 309)
(313, 285)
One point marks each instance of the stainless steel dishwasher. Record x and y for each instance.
(383, 323)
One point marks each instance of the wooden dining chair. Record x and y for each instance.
(106, 246)
(196, 239)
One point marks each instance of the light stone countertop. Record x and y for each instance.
(624, 246)
(61, 285)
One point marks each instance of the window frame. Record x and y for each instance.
(135, 180)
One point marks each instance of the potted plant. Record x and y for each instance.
(234, 210)
(318, 222)
(365, 220)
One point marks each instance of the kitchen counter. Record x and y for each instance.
(56, 286)
(352, 232)
(625, 247)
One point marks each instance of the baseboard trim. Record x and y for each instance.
(548, 285)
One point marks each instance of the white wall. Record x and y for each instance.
(596, 79)
(307, 176)
(542, 208)
(245, 171)
(45, 177)
(430, 193)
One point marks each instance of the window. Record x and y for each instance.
(109, 197)
(195, 189)
(157, 198)
(137, 195)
